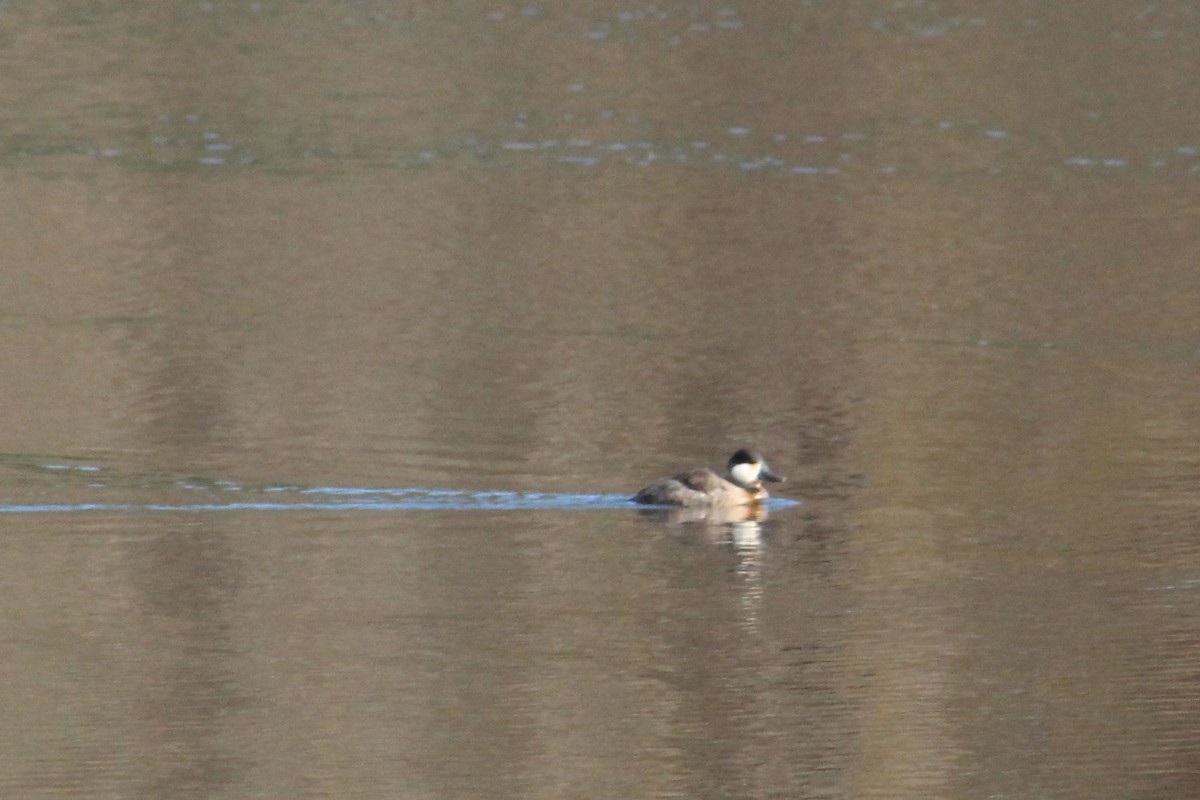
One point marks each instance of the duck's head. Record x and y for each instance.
(748, 470)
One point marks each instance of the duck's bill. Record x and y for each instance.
(770, 477)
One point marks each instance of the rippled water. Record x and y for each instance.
(337, 336)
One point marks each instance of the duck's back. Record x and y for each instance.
(699, 487)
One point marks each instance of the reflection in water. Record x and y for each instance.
(746, 539)
(796, 153)
(714, 515)
(738, 530)
(576, 123)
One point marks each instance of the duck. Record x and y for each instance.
(741, 485)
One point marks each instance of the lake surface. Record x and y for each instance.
(335, 335)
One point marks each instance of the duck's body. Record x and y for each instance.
(740, 486)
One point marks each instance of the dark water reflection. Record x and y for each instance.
(938, 264)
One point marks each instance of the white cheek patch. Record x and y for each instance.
(745, 474)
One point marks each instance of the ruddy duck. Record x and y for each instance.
(742, 485)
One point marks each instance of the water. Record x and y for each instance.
(336, 337)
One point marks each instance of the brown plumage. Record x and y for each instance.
(741, 485)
